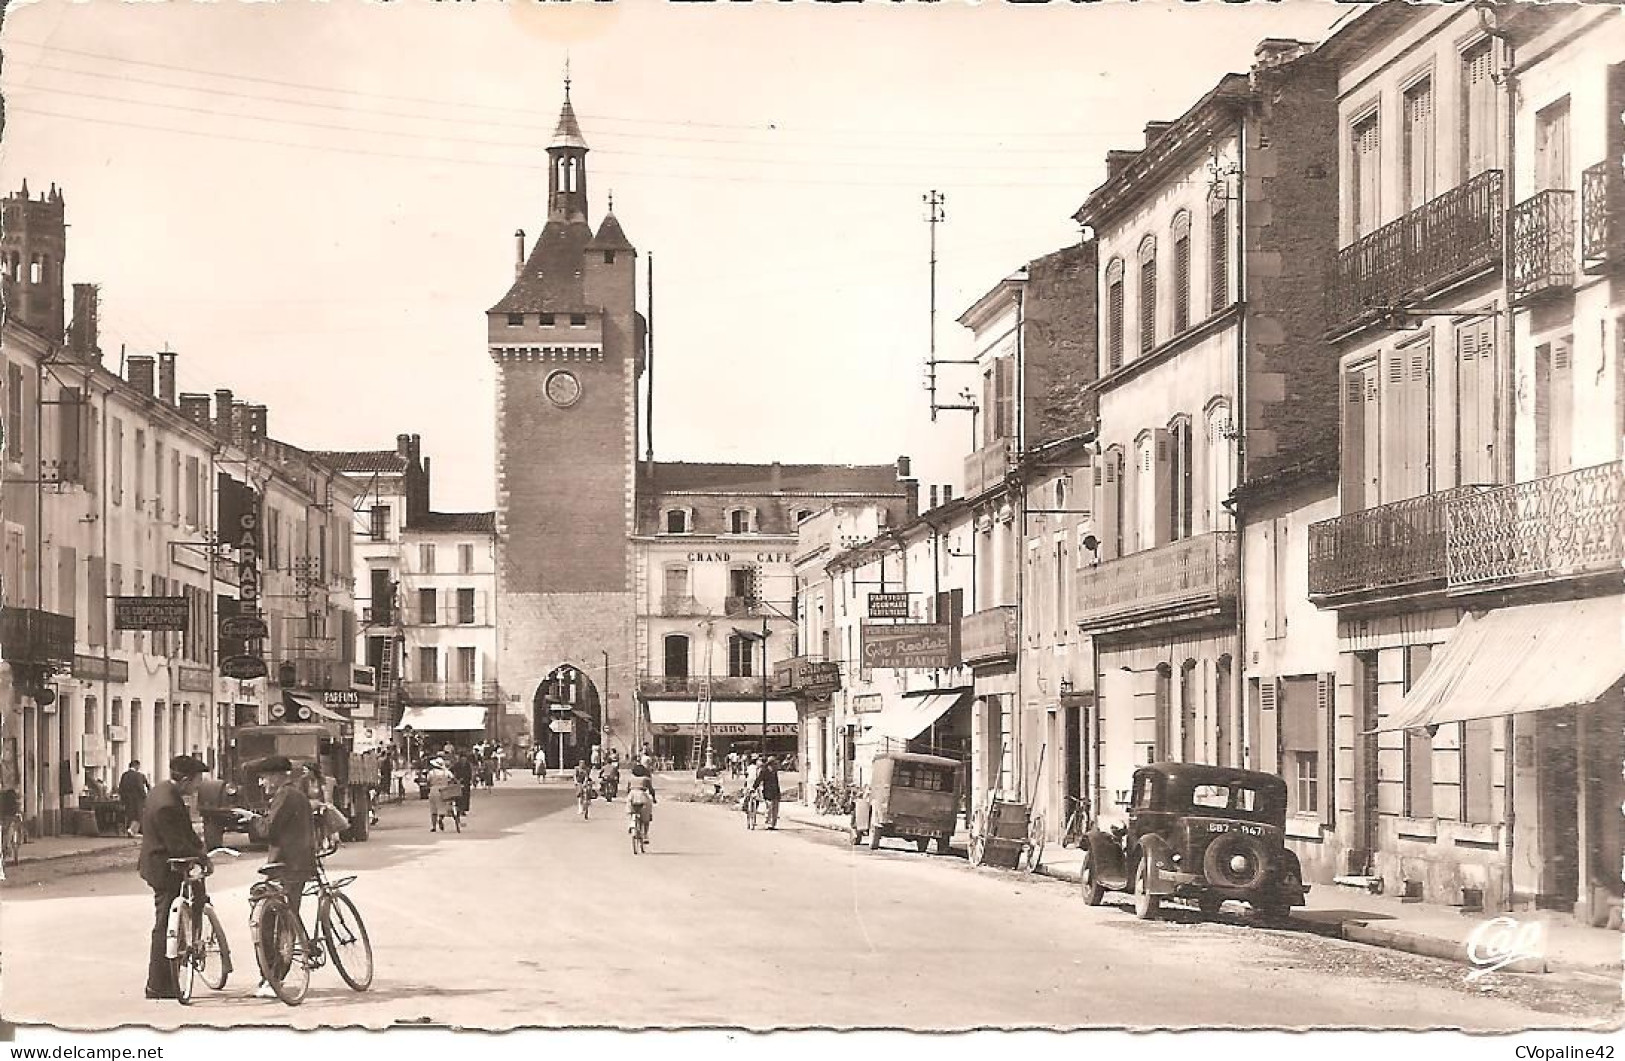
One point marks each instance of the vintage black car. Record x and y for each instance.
(1201, 833)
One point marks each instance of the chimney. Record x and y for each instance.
(403, 446)
(222, 413)
(947, 492)
(257, 417)
(417, 502)
(416, 451)
(902, 467)
(1155, 129)
(82, 331)
(933, 495)
(1275, 51)
(1117, 161)
(166, 376)
(143, 372)
(195, 407)
(519, 259)
(239, 422)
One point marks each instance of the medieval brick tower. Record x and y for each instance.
(32, 252)
(568, 346)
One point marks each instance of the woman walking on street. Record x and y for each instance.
(539, 764)
(440, 780)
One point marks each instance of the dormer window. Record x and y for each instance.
(803, 513)
(677, 521)
(545, 320)
(578, 320)
(515, 319)
(741, 521)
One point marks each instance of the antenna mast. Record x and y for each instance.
(934, 216)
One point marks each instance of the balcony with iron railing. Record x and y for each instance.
(486, 692)
(988, 635)
(1185, 579)
(30, 635)
(1562, 527)
(988, 466)
(1445, 240)
(1602, 217)
(690, 688)
(1390, 550)
(1543, 245)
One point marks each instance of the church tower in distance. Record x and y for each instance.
(567, 342)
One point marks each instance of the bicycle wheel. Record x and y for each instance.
(347, 941)
(750, 814)
(283, 949)
(214, 955)
(183, 966)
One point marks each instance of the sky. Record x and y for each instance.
(314, 203)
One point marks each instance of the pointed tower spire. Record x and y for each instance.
(567, 172)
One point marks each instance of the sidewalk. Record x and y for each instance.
(46, 848)
(1384, 921)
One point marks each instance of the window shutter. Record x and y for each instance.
(1007, 397)
(1114, 326)
(68, 445)
(1562, 406)
(1110, 509)
(1134, 484)
(1354, 470)
(1419, 439)
(1269, 728)
(1475, 402)
(1326, 711)
(1395, 413)
(1219, 258)
(1543, 405)
(1162, 483)
(1182, 283)
(1148, 303)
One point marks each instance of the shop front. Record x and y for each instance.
(732, 725)
(427, 728)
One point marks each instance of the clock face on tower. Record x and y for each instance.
(563, 389)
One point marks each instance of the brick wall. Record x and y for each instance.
(1059, 355)
(1291, 233)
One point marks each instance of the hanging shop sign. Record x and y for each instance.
(907, 646)
(243, 668)
(239, 521)
(243, 628)
(888, 605)
(151, 613)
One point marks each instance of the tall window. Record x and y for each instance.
(739, 521)
(465, 606)
(676, 586)
(1163, 706)
(1475, 402)
(465, 559)
(1114, 315)
(1552, 147)
(1406, 414)
(1554, 405)
(1218, 266)
(1181, 505)
(742, 583)
(676, 521)
(1148, 294)
(676, 652)
(427, 607)
(1365, 175)
(1302, 732)
(468, 664)
(1417, 142)
(1361, 438)
(1221, 475)
(999, 400)
(428, 664)
(426, 558)
(741, 656)
(1182, 272)
(1478, 90)
(383, 597)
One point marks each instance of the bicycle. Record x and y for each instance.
(194, 942)
(285, 951)
(584, 799)
(1077, 823)
(638, 827)
(753, 805)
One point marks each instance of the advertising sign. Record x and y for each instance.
(243, 628)
(340, 698)
(562, 725)
(243, 668)
(151, 613)
(888, 605)
(907, 646)
(810, 677)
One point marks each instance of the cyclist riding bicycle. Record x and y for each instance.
(640, 799)
(586, 788)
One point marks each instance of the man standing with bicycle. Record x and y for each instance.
(290, 833)
(166, 833)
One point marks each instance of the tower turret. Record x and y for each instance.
(567, 172)
(33, 248)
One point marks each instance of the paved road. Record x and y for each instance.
(534, 917)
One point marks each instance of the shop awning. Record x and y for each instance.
(739, 718)
(443, 718)
(1511, 660)
(317, 709)
(913, 714)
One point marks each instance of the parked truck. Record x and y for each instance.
(350, 776)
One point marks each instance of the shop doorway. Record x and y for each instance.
(1555, 736)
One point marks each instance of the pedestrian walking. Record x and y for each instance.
(597, 757)
(132, 792)
(166, 833)
(462, 768)
(538, 764)
(501, 757)
(767, 783)
(440, 798)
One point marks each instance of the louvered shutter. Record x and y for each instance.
(1419, 144)
(1367, 191)
(1133, 487)
(1419, 440)
(1162, 482)
(1114, 326)
(1219, 259)
(1354, 471)
(1182, 283)
(1326, 712)
(1111, 508)
(1475, 402)
(1395, 412)
(1478, 121)
(1543, 409)
(68, 444)
(1148, 303)
(1562, 406)
(1007, 396)
(1269, 728)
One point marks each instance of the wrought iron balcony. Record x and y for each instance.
(1561, 527)
(692, 687)
(451, 692)
(1183, 578)
(1386, 550)
(29, 635)
(1543, 245)
(989, 634)
(1602, 217)
(680, 605)
(1444, 240)
(988, 466)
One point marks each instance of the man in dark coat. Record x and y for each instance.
(290, 832)
(132, 792)
(463, 770)
(166, 833)
(767, 783)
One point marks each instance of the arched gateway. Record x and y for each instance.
(567, 715)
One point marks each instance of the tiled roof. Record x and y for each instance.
(610, 237)
(675, 477)
(464, 522)
(568, 132)
(551, 279)
(363, 460)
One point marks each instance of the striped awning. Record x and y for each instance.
(443, 718)
(1511, 660)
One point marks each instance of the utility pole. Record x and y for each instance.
(934, 216)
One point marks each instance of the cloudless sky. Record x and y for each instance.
(315, 203)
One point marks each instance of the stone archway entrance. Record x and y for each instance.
(569, 698)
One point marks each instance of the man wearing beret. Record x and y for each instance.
(290, 831)
(166, 833)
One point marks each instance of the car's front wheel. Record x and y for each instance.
(1146, 905)
(1094, 892)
